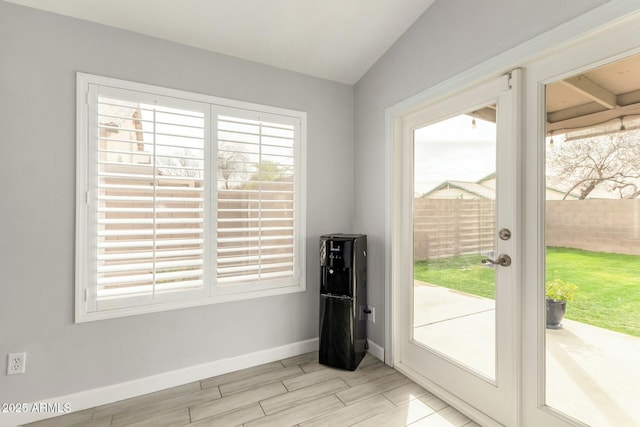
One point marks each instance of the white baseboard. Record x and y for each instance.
(376, 351)
(113, 393)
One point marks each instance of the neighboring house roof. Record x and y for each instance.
(554, 183)
(557, 183)
(489, 177)
(117, 112)
(470, 187)
(562, 185)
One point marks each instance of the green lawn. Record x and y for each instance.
(464, 273)
(608, 284)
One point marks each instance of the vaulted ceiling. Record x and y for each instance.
(340, 40)
(333, 39)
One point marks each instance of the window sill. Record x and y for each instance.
(82, 316)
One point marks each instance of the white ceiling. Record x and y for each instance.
(333, 39)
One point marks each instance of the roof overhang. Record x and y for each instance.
(599, 100)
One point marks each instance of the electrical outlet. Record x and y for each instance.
(371, 317)
(16, 363)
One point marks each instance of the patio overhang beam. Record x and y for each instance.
(593, 119)
(592, 90)
(487, 113)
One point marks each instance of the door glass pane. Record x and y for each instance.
(593, 245)
(454, 228)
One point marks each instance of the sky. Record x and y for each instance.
(453, 150)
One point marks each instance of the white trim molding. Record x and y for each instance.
(615, 14)
(376, 351)
(128, 259)
(113, 393)
(612, 13)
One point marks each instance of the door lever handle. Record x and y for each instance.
(503, 260)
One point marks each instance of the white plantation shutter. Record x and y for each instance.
(149, 198)
(184, 199)
(256, 224)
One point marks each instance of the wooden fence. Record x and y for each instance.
(448, 227)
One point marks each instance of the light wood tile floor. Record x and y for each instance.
(292, 392)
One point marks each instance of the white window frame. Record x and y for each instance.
(85, 298)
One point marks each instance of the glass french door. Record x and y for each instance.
(582, 233)
(482, 335)
(459, 289)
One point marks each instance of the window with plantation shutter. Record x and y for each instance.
(256, 200)
(148, 198)
(183, 199)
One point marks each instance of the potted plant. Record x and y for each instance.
(558, 292)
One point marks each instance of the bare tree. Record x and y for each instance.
(609, 162)
(231, 167)
(182, 162)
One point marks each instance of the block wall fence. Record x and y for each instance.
(449, 227)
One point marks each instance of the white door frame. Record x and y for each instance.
(591, 25)
(436, 370)
(613, 43)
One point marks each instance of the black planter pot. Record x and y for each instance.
(555, 313)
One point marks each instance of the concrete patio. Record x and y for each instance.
(593, 374)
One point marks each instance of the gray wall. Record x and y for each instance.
(449, 38)
(39, 56)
